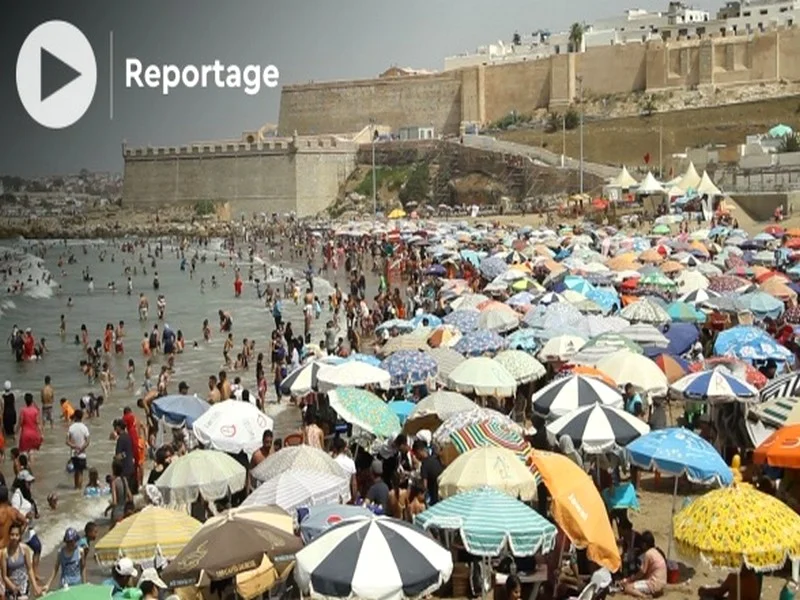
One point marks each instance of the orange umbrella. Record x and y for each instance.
(591, 372)
(781, 449)
(444, 335)
(578, 507)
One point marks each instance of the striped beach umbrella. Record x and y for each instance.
(490, 522)
(599, 428)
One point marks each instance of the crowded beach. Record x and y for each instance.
(467, 410)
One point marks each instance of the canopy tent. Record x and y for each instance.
(649, 185)
(707, 187)
(675, 191)
(780, 131)
(623, 180)
(690, 179)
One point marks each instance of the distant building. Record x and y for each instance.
(416, 133)
(395, 71)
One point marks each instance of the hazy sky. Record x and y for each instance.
(306, 39)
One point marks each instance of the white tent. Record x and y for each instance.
(690, 179)
(649, 185)
(675, 191)
(707, 187)
(623, 180)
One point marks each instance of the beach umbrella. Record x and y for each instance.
(567, 394)
(401, 325)
(373, 559)
(415, 341)
(750, 343)
(208, 474)
(303, 380)
(738, 526)
(681, 336)
(561, 348)
(598, 428)
(153, 530)
(85, 591)
(353, 374)
(178, 410)
(626, 367)
(492, 267)
(232, 426)
(431, 411)
(482, 376)
(447, 359)
(738, 367)
(463, 319)
(228, 545)
(455, 422)
(680, 452)
(674, 367)
(426, 320)
(491, 466)
(521, 299)
(781, 449)
(490, 434)
(785, 386)
(726, 284)
(305, 458)
(762, 305)
(685, 312)
(692, 284)
(410, 367)
(402, 408)
(578, 508)
(527, 341)
(645, 335)
(499, 321)
(490, 523)
(613, 341)
(621, 497)
(297, 488)
(476, 343)
(322, 517)
(468, 302)
(586, 371)
(717, 385)
(524, 367)
(366, 410)
(645, 311)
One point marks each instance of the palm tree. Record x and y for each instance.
(576, 36)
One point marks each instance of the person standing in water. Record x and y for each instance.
(48, 399)
(9, 411)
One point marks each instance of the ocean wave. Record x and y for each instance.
(29, 269)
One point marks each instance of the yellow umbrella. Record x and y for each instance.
(141, 535)
(731, 526)
(397, 213)
(488, 466)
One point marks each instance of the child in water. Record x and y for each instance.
(93, 488)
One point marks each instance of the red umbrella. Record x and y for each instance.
(752, 375)
(775, 230)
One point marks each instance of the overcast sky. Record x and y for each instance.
(306, 39)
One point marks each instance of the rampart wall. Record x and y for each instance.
(487, 93)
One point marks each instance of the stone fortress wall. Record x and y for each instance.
(486, 93)
(301, 174)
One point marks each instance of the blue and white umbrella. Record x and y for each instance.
(762, 305)
(477, 343)
(493, 266)
(750, 343)
(465, 320)
(524, 339)
(410, 367)
(521, 299)
(678, 451)
(426, 320)
(178, 409)
(718, 385)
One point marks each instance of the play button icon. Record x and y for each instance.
(56, 74)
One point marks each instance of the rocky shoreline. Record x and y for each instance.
(116, 224)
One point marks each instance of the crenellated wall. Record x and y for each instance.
(281, 175)
(486, 93)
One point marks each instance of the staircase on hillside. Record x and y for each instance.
(448, 169)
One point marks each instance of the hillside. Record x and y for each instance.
(626, 140)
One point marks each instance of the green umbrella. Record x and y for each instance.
(366, 410)
(86, 591)
(662, 229)
(657, 279)
(490, 521)
(614, 341)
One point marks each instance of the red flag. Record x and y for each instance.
(647, 158)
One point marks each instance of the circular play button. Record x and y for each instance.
(56, 74)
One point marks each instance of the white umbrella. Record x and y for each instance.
(626, 367)
(488, 466)
(567, 394)
(482, 376)
(645, 311)
(524, 367)
(561, 347)
(500, 321)
(207, 473)
(303, 379)
(353, 374)
(645, 334)
(295, 489)
(303, 458)
(232, 426)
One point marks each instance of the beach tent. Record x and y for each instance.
(780, 131)
(649, 185)
(690, 179)
(707, 187)
(624, 180)
(675, 192)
